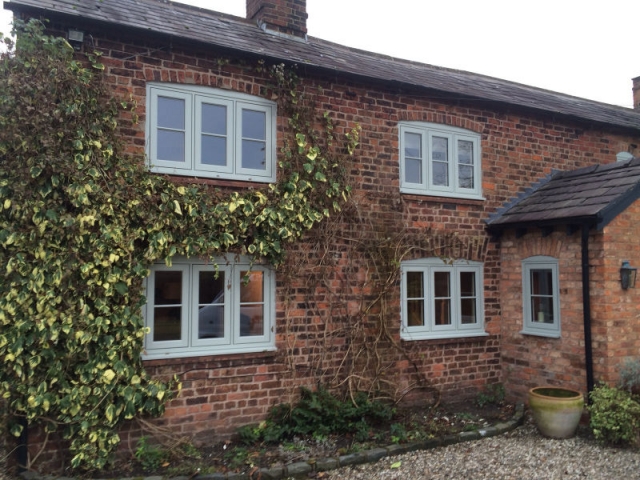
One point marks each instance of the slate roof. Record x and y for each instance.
(593, 195)
(238, 34)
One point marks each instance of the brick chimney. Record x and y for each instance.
(636, 93)
(284, 16)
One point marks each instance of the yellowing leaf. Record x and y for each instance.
(108, 375)
(396, 465)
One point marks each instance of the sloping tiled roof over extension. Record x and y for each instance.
(238, 34)
(593, 195)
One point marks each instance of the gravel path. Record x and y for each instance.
(521, 454)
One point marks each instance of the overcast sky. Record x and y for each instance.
(584, 48)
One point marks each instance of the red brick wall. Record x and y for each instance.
(517, 149)
(530, 360)
(616, 312)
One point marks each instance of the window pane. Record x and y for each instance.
(440, 161)
(254, 155)
(465, 152)
(542, 310)
(415, 285)
(170, 146)
(214, 150)
(468, 284)
(412, 145)
(210, 305)
(254, 125)
(541, 281)
(415, 313)
(465, 177)
(168, 289)
(171, 113)
(442, 284)
(167, 312)
(167, 324)
(214, 119)
(443, 311)
(413, 171)
(468, 311)
(465, 164)
(468, 297)
(440, 174)
(440, 149)
(253, 290)
(542, 295)
(251, 304)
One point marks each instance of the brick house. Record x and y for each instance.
(442, 152)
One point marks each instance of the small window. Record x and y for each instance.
(439, 160)
(210, 133)
(541, 301)
(441, 300)
(192, 309)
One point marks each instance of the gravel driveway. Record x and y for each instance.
(520, 454)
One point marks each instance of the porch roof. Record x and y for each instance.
(593, 195)
(175, 21)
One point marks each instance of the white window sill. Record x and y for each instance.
(411, 337)
(541, 333)
(159, 355)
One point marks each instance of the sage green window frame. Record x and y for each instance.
(190, 127)
(430, 297)
(421, 155)
(541, 296)
(232, 340)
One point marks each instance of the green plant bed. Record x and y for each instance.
(405, 425)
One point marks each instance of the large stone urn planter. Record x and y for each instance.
(556, 410)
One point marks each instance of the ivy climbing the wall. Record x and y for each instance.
(81, 223)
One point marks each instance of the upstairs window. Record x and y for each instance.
(441, 300)
(439, 160)
(541, 296)
(213, 133)
(193, 310)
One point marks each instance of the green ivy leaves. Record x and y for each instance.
(80, 224)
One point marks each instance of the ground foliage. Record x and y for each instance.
(288, 435)
(80, 224)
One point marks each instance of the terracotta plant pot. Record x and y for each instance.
(556, 410)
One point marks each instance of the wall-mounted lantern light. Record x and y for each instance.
(627, 275)
(76, 38)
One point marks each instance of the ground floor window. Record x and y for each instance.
(540, 296)
(194, 308)
(441, 299)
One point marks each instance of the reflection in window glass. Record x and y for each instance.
(214, 135)
(542, 296)
(254, 145)
(440, 160)
(210, 305)
(171, 113)
(168, 306)
(465, 167)
(468, 298)
(413, 157)
(415, 300)
(171, 129)
(442, 286)
(252, 303)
